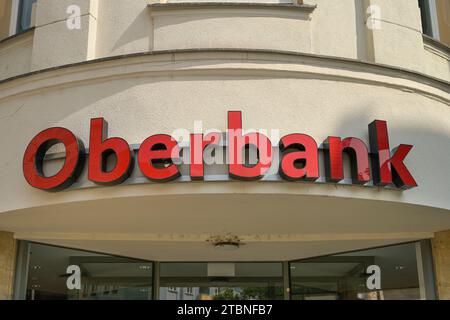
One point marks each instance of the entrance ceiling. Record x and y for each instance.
(271, 227)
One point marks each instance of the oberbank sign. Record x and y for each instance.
(248, 156)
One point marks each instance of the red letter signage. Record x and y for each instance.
(387, 169)
(198, 144)
(300, 160)
(156, 156)
(359, 159)
(35, 153)
(100, 148)
(236, 144)
(299, 157)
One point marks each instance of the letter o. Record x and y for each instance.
(34, 158)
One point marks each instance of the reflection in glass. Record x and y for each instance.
(103, 277)
(344, 276)
(221, 281)
(25, 12)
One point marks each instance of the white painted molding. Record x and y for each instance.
(434, 19)
(14, 17)
(185, 62)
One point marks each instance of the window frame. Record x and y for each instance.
(23, 261)
(431, 17)
(424, 261)
(14, 17)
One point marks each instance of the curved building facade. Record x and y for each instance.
(210, 149)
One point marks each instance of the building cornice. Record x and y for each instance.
(435, 43)
(346, 69)
(17, 36)
(436, 47)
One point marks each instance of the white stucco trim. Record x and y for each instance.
(14, 17)
(434, 19)
(232, 61)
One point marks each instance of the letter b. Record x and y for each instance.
(100, 148)
(237, 142)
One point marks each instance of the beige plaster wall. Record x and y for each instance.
(398, 40)
(437, 62)
(7, 264)
(441, 257)
(157, 94)
(16, 55)
(54, 43)
(130, 31)
(334, 27)
(114, 27)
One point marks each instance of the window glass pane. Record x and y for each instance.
(345, 276)
(5, 18)
(24, 19)
(221, 281)
(425, 13)
(102, 277)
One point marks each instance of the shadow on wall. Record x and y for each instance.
(136, 31)
(166, 21)
(428, 159)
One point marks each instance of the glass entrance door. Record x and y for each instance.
(394, 272)
(346, 276)
(221, 281)
(56, 273)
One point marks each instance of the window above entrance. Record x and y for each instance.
(16, 16)
(436, 19)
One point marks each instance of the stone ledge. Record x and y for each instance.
(247, 5)
(431, 41)
(276, 55)
(436, 46)
(17, 35)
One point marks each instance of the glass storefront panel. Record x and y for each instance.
(64, 274)
(221, 281)
(354, 275)
(375, 274)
